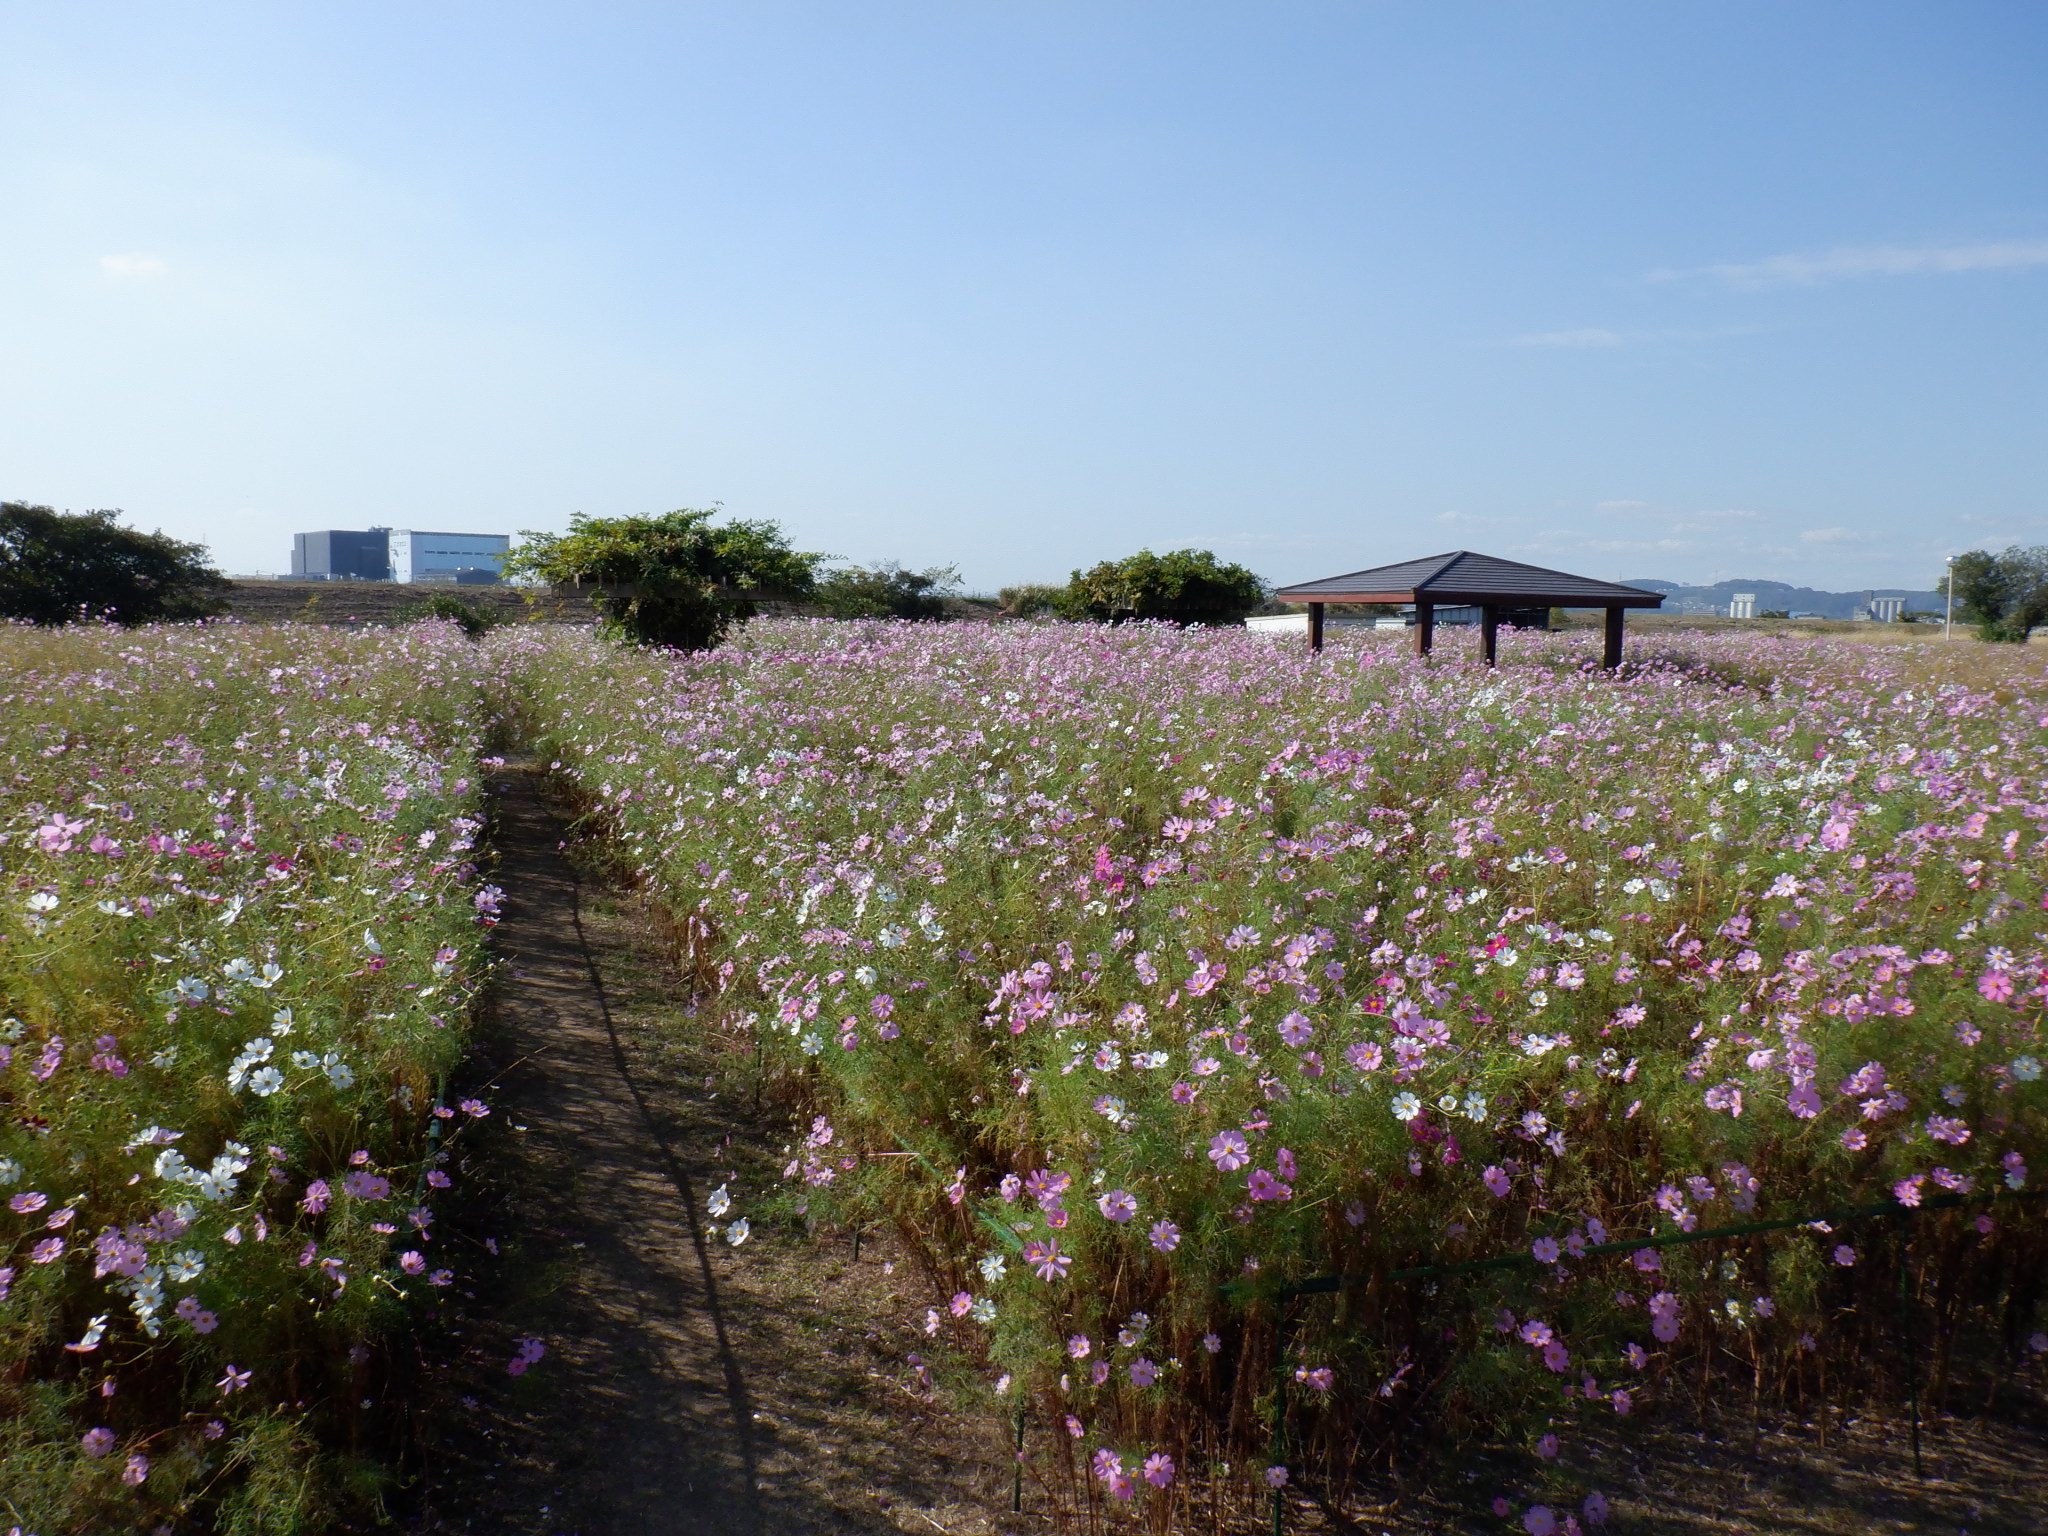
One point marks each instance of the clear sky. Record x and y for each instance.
(1688, 291)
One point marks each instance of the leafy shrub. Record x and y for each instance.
(473, 619)
(675, 580)
(887, 592)
(1028, 601)
(1187, 586)
(57, 568)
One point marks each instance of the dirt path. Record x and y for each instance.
(688, 1386)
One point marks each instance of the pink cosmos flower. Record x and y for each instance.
(1117, 1205)
(1159, 1469)
(1496, 1181)
(1165, 1236)
(1994, 986)
(97, 1442)
(315, 1199)
(1557, 1357)
(1538, 1520)
(1276, 1477)
(1545, 1250)
(136, 1470)
(48, 1251)
(1143, 1372)
(1184, 1093)
(1284, 1164)
(1264, 1186)
(1365, 1056)
(1047, 1260)
(1648, 1260)
(232, 1381)
(1803, 1102)
(1636, 1355)
(1079, 1346)
(1595, 1508)
(23, 1204)
(1844, 1255)
(1229, 1151)
(1622, 1401)
(1948, 1129)
(412, 1262)
(1010, 1188)
(1296, 1030)
(962, 1303)
(366, 1186)
(1536, 1331)
(1547, 1447)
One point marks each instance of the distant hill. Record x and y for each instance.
(1779, 596)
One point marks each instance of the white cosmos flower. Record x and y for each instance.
(865, 976)
(737, 1232)
(1406, 1106)
(305, 1061)
(10, 1171)
(2026, 1068)
(719, 1201)
(265, 1082)
(185, 1265)
(281, 1022)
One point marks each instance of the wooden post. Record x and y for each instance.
(1489, 633)
(1315, 626)
(1425, 627)
(1611, 657)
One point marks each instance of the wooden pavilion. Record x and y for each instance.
(1465, 579)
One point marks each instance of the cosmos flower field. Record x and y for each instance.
(237, 943)
(1139, 975)
(1278, 1061)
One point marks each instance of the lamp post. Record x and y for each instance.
(1948, 622)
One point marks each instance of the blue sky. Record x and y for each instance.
(1687, 291)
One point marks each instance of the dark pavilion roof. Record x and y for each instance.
(1462, 577)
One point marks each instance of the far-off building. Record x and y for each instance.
(400, 554)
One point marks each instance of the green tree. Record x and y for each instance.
(887, 592)
(676, 579)
(2004, 595)
(58, 567)
(1188, 586)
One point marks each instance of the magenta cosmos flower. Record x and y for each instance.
(1047, 1260)
(1229, 1151)
(1117, 1205)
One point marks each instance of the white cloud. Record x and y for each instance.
(1619, 506)
(132, 265)
(1810, 269)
